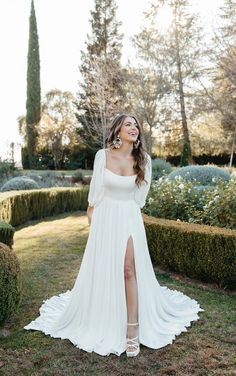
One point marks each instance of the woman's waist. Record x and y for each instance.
(119, 196)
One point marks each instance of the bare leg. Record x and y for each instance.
(131, 291)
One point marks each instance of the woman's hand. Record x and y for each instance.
(90, 213)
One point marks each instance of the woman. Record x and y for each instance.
(116, 303)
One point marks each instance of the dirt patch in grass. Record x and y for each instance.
(50, 254)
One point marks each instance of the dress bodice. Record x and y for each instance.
(119, 187)
(104, 182)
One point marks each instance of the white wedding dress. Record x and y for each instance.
(93, 315)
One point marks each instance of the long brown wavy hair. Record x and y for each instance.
(139, 153)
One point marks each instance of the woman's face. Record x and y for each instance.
(129, 130)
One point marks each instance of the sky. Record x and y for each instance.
(63, 26)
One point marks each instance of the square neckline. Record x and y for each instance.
(114, 173)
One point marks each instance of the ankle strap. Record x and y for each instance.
(136, 323)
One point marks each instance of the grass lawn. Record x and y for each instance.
(50, 254)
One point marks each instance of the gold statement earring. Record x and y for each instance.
(117, 142)
(136, 143)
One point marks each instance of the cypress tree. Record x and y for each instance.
(33, 105)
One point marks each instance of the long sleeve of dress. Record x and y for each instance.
(142, 191)
(96, 184)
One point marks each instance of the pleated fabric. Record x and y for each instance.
(93, 315)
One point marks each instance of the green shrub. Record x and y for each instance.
(34, 176)
(205, 175)
(50, 179)
(19, 183)
(178, 199)
(220, 207)
(233, 175)
(77, 177)
(6, 233)
(198, 251)
(7, 171)
(6, 168)
(10, 284)
(17, 208)
(25, 157)
(191, 202)
(160, 168)
(184, 155)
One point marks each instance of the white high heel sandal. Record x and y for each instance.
(133, 342)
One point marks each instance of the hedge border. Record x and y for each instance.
(198, 251)
(6, 233)
(10, 282)
(18, 207)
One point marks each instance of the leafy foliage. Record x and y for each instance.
(220, 207)
(19, 207)
(57, 128)
(33, 102)
(51, 179)
(185, 154)
(159, 168)
(174, 199)
(77, 176)
(6, 233)
(184, 200)
(6, 169)
(197, 251)
(10, 284)
(206, 175)
(233, 175)
(19, 183)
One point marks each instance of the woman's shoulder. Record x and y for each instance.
(100, 155)
(100, 152)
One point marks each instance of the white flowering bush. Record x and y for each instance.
(186, 201)
(174, 199)
(220, 207)
(205, 175)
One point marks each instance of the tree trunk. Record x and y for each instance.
(149, 143)
(186, 155)
(232, 148)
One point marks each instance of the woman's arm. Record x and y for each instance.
(90, 213)
(95, 187)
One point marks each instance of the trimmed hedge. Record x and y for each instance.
(198, 251)
(18, 207)
(10, 282)
(6, 233)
